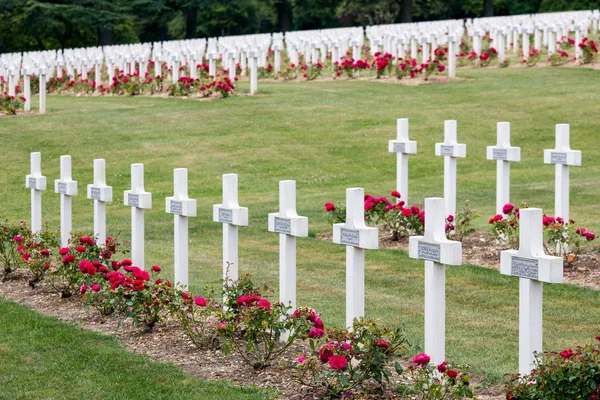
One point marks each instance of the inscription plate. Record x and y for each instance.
(32, 183)
(225, 215)
(133, 200)
(62, 188)
(176, 207)
(447, 150)
(283, 225)
(399, 147)
(429, 251)
(524, 268)
(558, 158)
(95, 193)
(500, 154)
(350, 237)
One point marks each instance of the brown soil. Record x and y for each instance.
(480, 248)
(168, 343)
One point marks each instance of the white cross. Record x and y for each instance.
(212, 64)
(500, 44)
(231, 215)
(277, 51)
(533, 266)
(402, 146)
(42, 89)
(578, 50)
(36, 182)
(452, 56)
(357, 237)
(27, 89)
(101, 194)
(437, 251)
(252, 55)
(450, 150)
(504, 154)
(182, 207)
(67, 188)
(138, 199)
(563, 157)
(289, 225)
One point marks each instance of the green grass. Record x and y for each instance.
(42, 358)
(329, 136)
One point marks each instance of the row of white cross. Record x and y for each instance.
(529, 263)
(503, 153)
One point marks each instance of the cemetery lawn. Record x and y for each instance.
(329, 136)
(45, 358)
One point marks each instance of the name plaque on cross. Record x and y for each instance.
(95, 193)
(429, 251)
(62, 188)
(32, 183)
(176, 207)
(500, 154)
(283, 225)
(349, 237)
(558, 157)
(225, 215)
(524, 268)
(399, 147)
(133, 199)
(447, 151)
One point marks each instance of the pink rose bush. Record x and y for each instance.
(401, 220)
(568, 374)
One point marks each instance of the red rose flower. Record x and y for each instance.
(316, 332)
(81, 249)
(395, 194)
(421, 359)
(264, 303)
(200, 301)
(442, 367)
(507, 209)
(156, 268)
(329, 207)
(45, 252)
(452, 374)
(407, 212)
(566, 353)
(63, 251)
(338, 362)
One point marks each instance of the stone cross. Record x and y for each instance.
(231, 215)
(182, 207)
(403, 147)
(500, 44)
(67, 188)
(139, 200)
(231, 56)
(413, 46)
(551, 41)
(526, 32)
(252, 55)
(98, 71)
(504, 154)
(533, 267)
(450, 150)
(101, 194)
(212, 64)
(437, 252)
(357, 237)
(277, 51)
(563, 157)
(424, 49)
(537, 40)
(36, 182)
(289, 226)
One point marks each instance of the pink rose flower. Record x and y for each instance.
(421, 359)
(338, 362)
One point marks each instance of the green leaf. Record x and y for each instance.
(398, 368)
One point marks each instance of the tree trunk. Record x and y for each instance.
(191, 21)
(283, 15)
(106, 36)
(488, 8)
(406, 11)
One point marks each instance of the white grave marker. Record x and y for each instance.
(101, 194)
(450, 150)
(504, 154)
(357, 237)
(252, 55)
(563, 157)
(403, 147)
(182, 207)
(67, 188)
(533, 267)
(437, 252)
(231, 215)
(289, 226)
(138, 199)
(36, 182)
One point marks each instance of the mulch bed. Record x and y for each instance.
(480, 248)
(168, 343)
